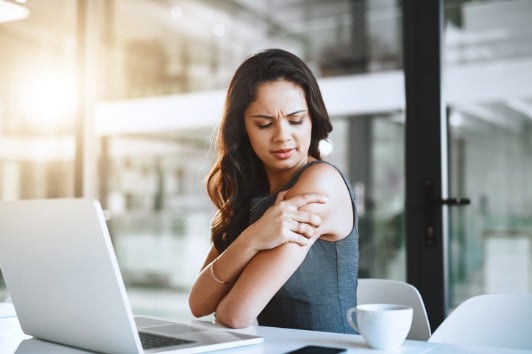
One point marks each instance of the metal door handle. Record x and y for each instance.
(431, 203)
(455, 201)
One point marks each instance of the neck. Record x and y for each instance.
(277, 179)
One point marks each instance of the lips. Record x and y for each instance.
(283, 154)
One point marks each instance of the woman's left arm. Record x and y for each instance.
(266, 273)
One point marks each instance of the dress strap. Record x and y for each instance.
(295, 178)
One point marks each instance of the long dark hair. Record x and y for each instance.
(238, 174)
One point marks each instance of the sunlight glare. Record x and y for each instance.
(47, 100)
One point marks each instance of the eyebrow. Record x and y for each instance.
(265, 116)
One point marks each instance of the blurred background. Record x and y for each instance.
(119, 100)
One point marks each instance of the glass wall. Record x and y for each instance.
(385, 211)
(489, 92)
(158, 71)
(37, 101)
(161, 231)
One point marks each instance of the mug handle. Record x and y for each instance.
(349, 317)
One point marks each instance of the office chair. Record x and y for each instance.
(496, 320)
(396, 292)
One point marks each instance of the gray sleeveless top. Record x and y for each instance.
(319, 293)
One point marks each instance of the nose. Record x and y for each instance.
(282, 130)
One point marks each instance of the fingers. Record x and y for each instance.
(306, 223)
(304, 229)
(308, 218)
(307, 198)
(301, 234)
(280, 196)
(299, 227)
(300, 240)
(303, 225)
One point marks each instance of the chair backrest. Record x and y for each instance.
(496, 320)
(396, 292)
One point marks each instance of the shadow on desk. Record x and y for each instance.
(33, 346)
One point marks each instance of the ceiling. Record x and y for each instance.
(161, 47)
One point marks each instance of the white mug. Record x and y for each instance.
(383, 326)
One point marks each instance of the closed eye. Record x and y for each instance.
(297, 117)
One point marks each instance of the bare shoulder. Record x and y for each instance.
(337, 214)
(323, 170)
(321, 178)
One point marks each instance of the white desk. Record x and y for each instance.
(276, 341)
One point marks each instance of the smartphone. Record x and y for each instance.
(316, 349)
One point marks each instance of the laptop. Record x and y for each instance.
(61, 272)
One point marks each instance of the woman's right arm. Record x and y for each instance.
(208, 289)
(277, 226)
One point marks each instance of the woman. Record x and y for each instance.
(284, 239)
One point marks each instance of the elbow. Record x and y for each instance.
(223, 315)
(194, 309)
(233, 321)
(196, 313)
(232, 318)
(197, 309)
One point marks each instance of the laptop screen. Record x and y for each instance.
(61, 271)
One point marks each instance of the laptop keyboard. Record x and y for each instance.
(150, 340)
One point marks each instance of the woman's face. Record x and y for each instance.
(279, 126)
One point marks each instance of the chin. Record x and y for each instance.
(288, 165)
